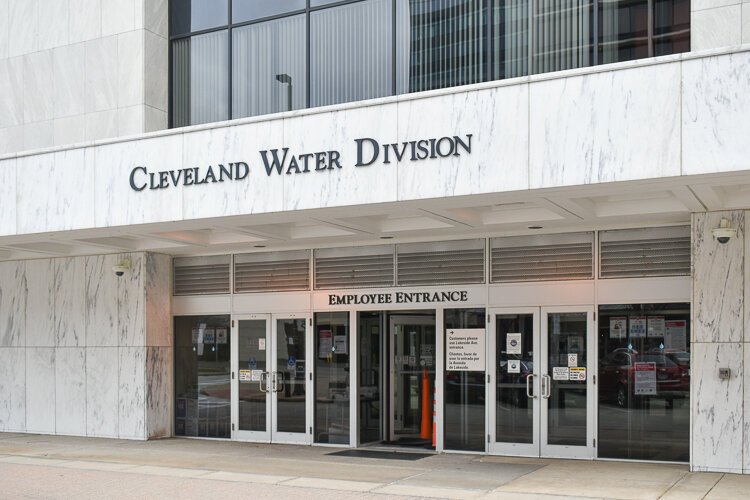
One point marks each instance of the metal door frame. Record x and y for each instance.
(532, 449)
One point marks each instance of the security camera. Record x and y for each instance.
(724, 232)
(121, 268)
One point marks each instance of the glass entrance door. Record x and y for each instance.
(270, 378)
(412, 348)
(541, 397)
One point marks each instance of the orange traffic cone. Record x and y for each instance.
(425, 434)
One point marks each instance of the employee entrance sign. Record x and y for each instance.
(465, 350)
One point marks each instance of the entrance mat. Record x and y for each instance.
(385, 455)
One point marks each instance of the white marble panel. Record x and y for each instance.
(715, 108)
(590, 128)
(130, 303)
(711, 4)
(155, 17)
(40, 303)
(53, 23)
(38, 135)
(23, 27)
(158, 392)
(69, 130)
(85, 20)
(101, 301)
(12, 389)
(118, 16)
(102, 391)
(154, 119)
(101, 74)
(101, 125)
(70, 391)
(716, 405)
(11, 91)
(130, 120)
(4, 20)
(117, 204)
(12, 304)
(746, 410)
(715, 28)
(40, 389)
(38, 94)
(70, 301)
(130, 68)
(718, 280)
(156, 81)
(158, 283)
(498, 121)
(11, 139)
(347, 185)
(746, 22)
(68, 71)
(62, 202)
(132, 392)
(257, 193)
(8, 196)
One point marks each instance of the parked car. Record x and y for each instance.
(617, 376)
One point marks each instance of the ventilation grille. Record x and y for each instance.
(201, 275)
(353, 268)
(272, 272)
(448, 263)
(640, 253)
(548, 258)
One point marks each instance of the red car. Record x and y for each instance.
(617, 376)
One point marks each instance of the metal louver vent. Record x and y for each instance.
(444, 263)
(201, 275)
(360, 267)
(638, 253)
(272, 271)
(543, 258)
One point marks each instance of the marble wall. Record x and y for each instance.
(76, 70)
(83, 352)
(719, 23)
(720, 339)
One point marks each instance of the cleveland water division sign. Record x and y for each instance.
(284, 161)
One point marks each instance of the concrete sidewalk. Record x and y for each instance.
(35, 466)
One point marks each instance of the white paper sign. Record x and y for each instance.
(513, 343)
(209, 336)
(618, 328)
(638, 327)
(560, 373)
(221, 335)
(255, 375)
(578, 374)
(572, 360)
(656, 326)
(245, 375)
(262, 344)
(675, 335)
(465, 350)
(514, 366)
(645, 378)
(339, 343)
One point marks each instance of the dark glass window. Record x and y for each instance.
(269, 67)
(332, 378)
(464, 415)
(200, 77)
(624, 32)
(351, 52)
(671, 26)
(510, 39)
(201, 376)
(247, 10)
(187, 16)
(644, 382)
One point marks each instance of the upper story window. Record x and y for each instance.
(238, 58)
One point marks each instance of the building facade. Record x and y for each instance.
(502, 227)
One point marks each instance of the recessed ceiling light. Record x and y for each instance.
(535, 227)
(259, 246)
(386, 237)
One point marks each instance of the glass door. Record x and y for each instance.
(566, 376)
(541, 388)
(514, 402)
(270, 378)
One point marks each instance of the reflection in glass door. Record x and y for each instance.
(269, 378)
(541, 399)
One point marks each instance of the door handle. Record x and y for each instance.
(529, 387)
(278, 381)
(546, 386)
(263, 383)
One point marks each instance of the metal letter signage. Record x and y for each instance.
(283, 161)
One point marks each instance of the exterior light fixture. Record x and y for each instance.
(725, 231)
